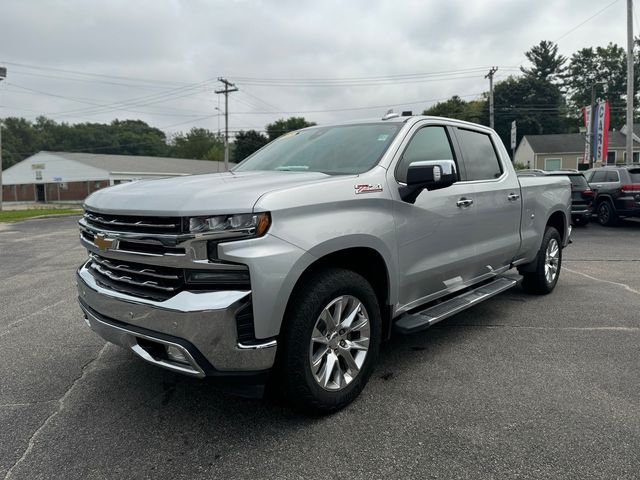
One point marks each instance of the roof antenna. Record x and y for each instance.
(390, 114)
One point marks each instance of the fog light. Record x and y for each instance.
(176, 355)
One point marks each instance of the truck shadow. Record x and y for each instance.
(199, 405)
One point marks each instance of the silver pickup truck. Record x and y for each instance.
(295, 266)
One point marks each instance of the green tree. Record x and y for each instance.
(589, 66)
(538, 107)
(22, 138)
(473, 111)
(546, 63)
(246, 143)
(198, 143)
(282, 126)
(19, 140)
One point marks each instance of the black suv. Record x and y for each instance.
(581, 193)
(617, 192)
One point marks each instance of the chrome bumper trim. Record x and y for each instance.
(129, 339)
(258, 346)
(205, 319)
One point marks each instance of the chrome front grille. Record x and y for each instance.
(137, 224)
(136, 279)
(152, 257)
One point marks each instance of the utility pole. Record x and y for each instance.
(630, 81)
(3, 75)
(228, 88)
(489, 75)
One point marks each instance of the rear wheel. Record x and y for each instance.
(547, 264)
(606, 214)
(331, 341)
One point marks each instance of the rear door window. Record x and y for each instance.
(612, 176)
(598, 176)
(480, 157)
(635, 175)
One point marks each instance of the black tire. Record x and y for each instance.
(537, 281)
(307, 304)
(607, 214)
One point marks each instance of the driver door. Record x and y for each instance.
(436, 249)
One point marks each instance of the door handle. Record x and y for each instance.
(513, 197)
(464, 202)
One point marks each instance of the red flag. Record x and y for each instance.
(605, 133)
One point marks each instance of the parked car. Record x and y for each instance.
(581, 193)
(617, 192)
(314, 249)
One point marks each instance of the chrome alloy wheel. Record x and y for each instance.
(552, 260)
(339, 343)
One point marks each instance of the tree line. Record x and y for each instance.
(23, 138)
(546, 98)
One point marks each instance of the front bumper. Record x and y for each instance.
(199, 325)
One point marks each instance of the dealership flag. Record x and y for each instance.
(601, 131)
(586, 112)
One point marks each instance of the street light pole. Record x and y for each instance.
(3, 75)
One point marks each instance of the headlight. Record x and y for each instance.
(228, 226)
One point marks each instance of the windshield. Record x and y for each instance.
(343, 149)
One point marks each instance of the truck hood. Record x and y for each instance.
(211, 194)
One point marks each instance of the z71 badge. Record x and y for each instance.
(364, 188)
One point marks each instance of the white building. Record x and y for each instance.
(62, 176)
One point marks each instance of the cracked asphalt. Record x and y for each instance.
(517, 387)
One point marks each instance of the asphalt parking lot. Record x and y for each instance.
(517, 387)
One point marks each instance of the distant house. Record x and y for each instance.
(566, 150)
(63, 176)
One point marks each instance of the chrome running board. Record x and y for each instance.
(415, 322)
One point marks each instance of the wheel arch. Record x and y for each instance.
(364, 260)
(558, 220)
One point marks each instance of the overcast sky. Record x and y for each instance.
(158, 60)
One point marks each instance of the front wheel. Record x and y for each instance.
(544, 277)
(331, 340)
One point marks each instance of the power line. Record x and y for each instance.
(89, 74)
(88, 80)
(368, 78)
(80, 100)
(585, 21)
(267, 104)
(356, 84)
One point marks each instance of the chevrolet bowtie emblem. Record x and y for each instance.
(103, 243)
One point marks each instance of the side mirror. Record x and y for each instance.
(429, 175)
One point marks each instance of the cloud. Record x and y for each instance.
(172, 44)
